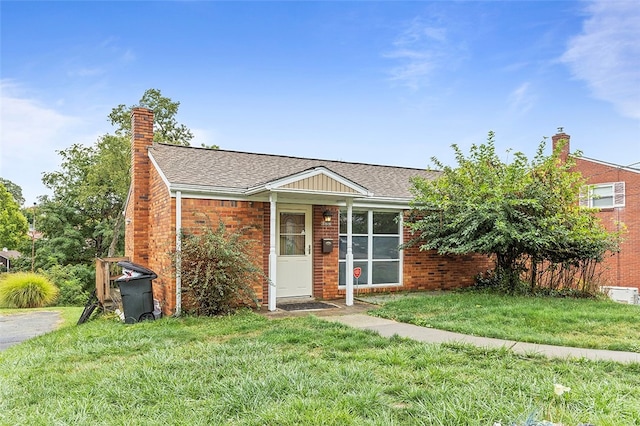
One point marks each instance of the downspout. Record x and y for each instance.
(272, 251)
(178, 253)
(349, 271)
(401, 254)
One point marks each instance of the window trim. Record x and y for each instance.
(617, 195)
(370, 260)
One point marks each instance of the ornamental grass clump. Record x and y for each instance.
(27, 290)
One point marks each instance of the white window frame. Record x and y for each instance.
(587, 196)
(370, 260)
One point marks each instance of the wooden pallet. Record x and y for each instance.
(107, 271)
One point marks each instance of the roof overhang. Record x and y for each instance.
(614, 166)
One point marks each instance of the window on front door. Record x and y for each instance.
(292, 234)
(375, 245)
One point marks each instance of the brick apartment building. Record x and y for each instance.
(615, 191)
(311, 221)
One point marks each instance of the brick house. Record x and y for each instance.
(311, 221)
(615, 191)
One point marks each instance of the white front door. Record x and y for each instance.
(293, 248)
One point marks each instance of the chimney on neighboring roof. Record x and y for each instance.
(137, 247)
(561, 137)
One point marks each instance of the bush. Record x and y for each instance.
(74, 281)
(27, 290)
(217, 271)
(576, 280)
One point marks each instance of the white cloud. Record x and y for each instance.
(521, 100)
(30, 133)
(26, 124)
(606, 55)
(420, 50)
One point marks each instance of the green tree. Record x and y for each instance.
(14, 189)
(13, 225)
(83, 217)
(213, 146)
(165, 126)
(521, 213)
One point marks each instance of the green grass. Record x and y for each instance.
(600, 324)
(249, 370)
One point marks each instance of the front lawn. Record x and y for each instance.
(250, 370)
(599, 324)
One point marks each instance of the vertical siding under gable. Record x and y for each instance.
(320, 182)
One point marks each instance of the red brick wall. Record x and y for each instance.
(138, 208)
(623, 268)
(266, 229)
(325, 265)
(161, 241)
(128, 230)
(238, 216)
(427, 270)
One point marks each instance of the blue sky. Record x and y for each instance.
(378, 82)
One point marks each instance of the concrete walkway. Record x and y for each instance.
(388, 328)
(16, 328)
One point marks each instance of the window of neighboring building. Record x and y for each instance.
(604, 195)
(376, 238)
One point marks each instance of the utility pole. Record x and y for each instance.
(33, 239)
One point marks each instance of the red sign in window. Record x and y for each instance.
(357, 272)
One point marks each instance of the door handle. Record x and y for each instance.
(309, 249)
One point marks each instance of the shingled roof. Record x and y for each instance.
(242, 170)
(10, 254)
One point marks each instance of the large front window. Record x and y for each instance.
(375, 246)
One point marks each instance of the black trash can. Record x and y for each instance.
(136, 290)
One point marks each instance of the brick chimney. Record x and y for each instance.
(137, 227)
(559, 138)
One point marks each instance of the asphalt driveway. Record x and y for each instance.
(16, 328)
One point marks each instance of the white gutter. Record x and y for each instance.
(272, 252)
(178, 253)
(206, 189)
(627, 168)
